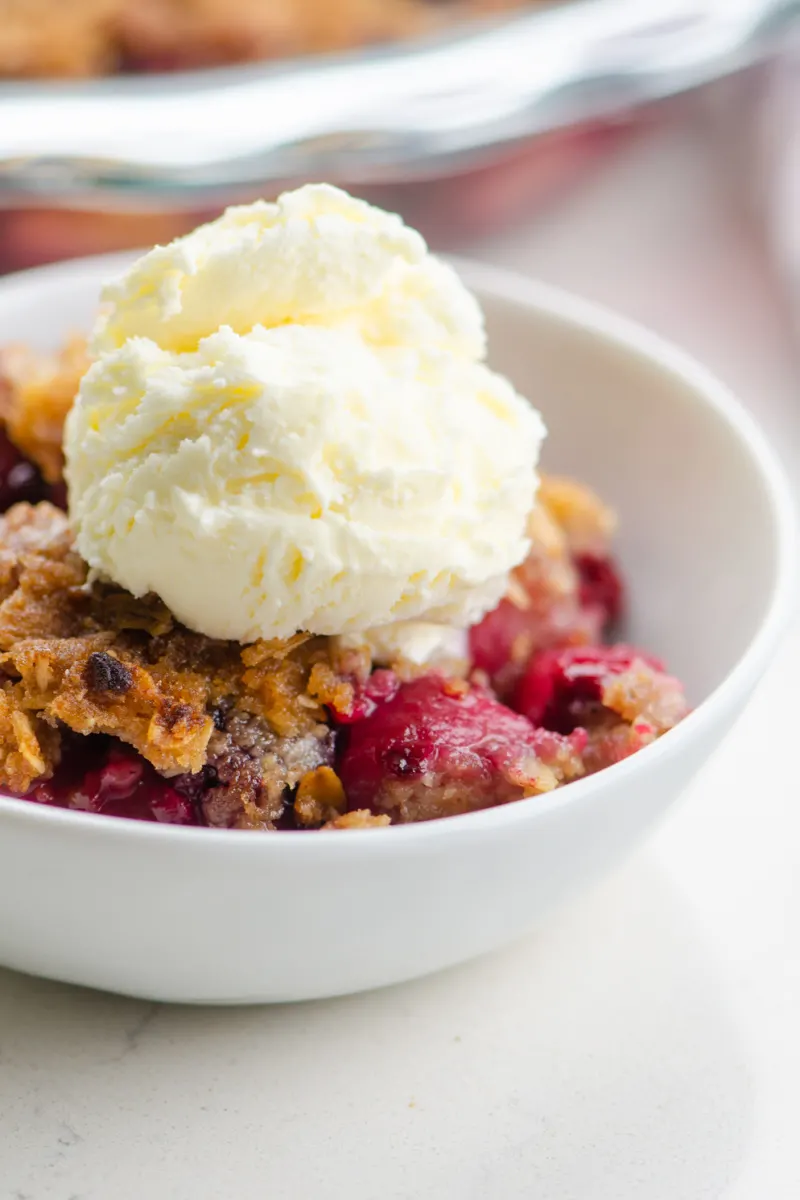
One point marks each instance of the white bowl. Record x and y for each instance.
(707, 543)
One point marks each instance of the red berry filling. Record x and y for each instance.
(600, 586)
(99, 776)
(19, 479)
(557, 598)
(439, 747)
(501, 639)
(563, 689)
(503, 642)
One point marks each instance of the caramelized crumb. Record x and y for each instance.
(584, 521)
(29, 749)
(95, 660)
(320, 797)
(360, 818)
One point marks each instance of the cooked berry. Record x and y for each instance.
(97, 775)
(104, 673)
(505, 639)
(563, 688)
(559, 596)
(439, 748)
(19, 479)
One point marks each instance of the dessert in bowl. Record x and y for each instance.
(481, 734)
(312, 577)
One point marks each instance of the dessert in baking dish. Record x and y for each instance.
(79, 38)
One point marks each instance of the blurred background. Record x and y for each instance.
(123, 123)
(642, 151)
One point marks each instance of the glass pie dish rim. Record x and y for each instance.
(410, 111)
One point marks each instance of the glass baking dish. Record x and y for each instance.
(459, 133)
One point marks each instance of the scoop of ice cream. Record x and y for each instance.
(315, 257)
(292, 479)
(289, 427)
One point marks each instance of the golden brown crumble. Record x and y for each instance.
(647, 700)
(36, 393)
(95, 37)
(57, 37)
(360, 818)
(94, 659)
(585, 523)
(320, 797)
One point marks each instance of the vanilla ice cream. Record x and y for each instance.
(317, 257)
(289, 427)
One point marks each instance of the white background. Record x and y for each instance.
(647, 1045)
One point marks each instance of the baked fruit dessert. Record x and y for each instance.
(76, 38)
(309, 577)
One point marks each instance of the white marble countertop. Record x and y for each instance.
(645, 1047)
